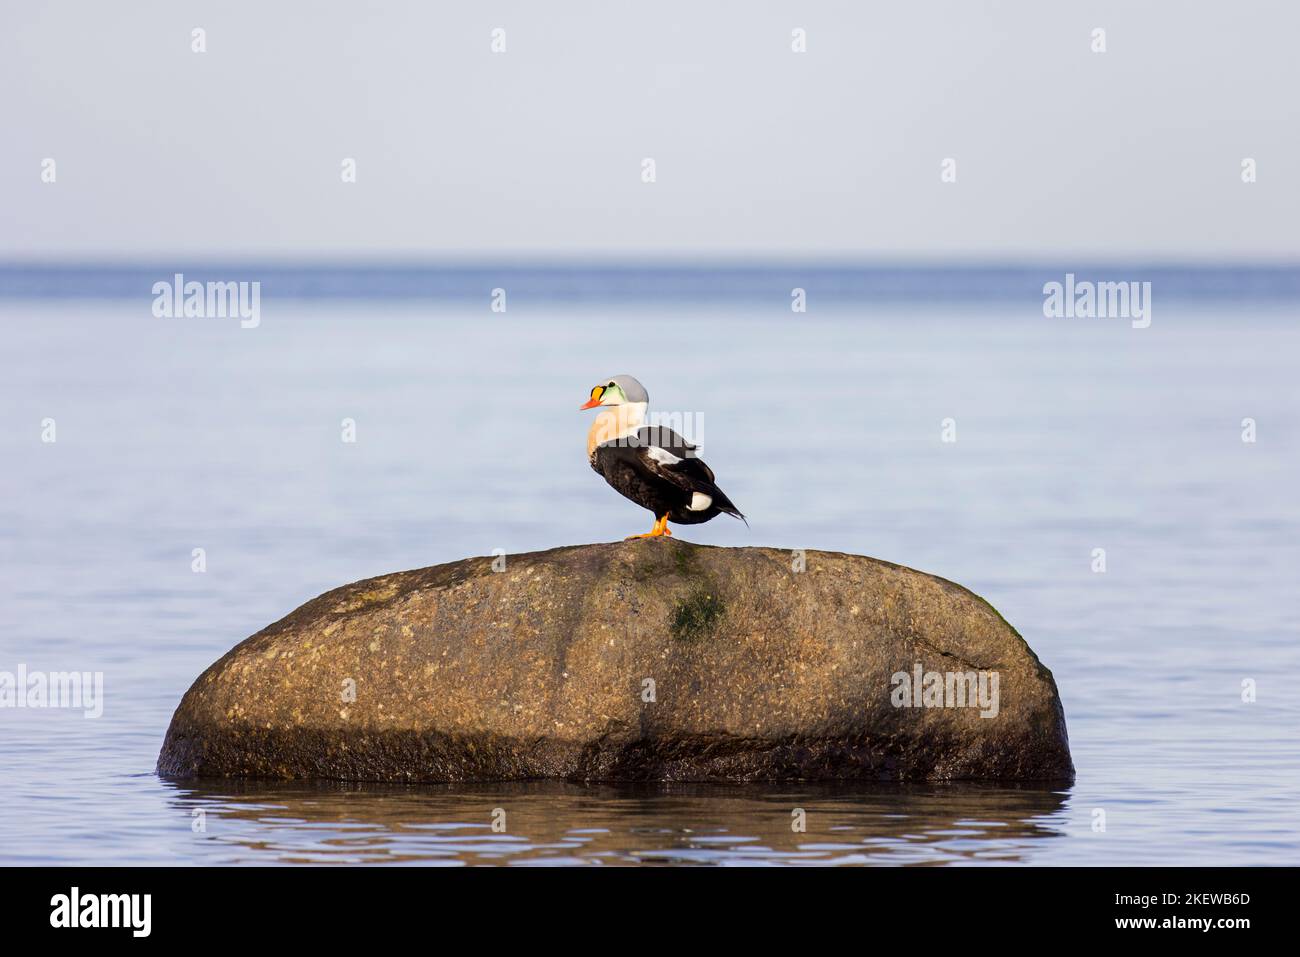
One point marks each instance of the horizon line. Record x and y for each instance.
(623, 279)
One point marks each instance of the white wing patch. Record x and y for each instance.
(662, 456)
(699, 501)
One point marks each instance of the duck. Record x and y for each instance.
(650, 464)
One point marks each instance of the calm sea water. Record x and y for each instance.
(825, 428)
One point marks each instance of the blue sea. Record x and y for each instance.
(1173, 449)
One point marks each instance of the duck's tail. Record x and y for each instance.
(724, 505)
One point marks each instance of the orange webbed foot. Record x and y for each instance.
(660, 528)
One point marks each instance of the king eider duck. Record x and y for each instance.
(652, 465)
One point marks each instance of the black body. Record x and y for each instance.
(642, 468)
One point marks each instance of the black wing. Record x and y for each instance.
(665, 439)
(658, 469)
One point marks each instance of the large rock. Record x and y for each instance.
(645, 660)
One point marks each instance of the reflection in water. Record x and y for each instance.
(547, 822)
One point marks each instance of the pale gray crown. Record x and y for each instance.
(634, 390)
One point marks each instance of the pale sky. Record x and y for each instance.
(537, 152)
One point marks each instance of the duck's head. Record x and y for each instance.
(617, 390)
